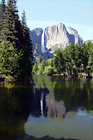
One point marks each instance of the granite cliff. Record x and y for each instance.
(54, 37)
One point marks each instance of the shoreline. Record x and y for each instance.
(66, 76)
(2, 79)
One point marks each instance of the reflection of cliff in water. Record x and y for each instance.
(68, 101)
(73, 92)
(46, 113)
(26, 113)
(55, 110)
(44, 104)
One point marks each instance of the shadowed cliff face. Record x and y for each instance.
(73, 36)
(54, 37)
(36, 36)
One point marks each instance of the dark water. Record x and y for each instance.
(52, 109)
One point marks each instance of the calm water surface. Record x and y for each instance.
(52, 109)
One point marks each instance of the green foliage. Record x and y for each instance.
(74, 60)
(49, 70)
(70, 59)
(49, 62)
(9, 78)
(59, 62)
(16, 52)
(25, 64)
(35, 68)
(9, 58)
(2, 20)
(43, 67)
(85, 55)
(11, 20)
(26, 42)
(89, 67)
(40, 59)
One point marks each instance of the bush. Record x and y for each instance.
(49, 70)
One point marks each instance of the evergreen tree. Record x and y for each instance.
(25, 32)
(12, 22)
(26, 41)
(2, 20)
(27, 58)
(9, 59)
(17, 36)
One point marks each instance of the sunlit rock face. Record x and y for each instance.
(52, 38)
(56, 37)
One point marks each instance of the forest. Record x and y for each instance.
(73, 61)
(16, 54)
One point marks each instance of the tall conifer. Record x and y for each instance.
(27, 59)
(25, 31)
(2, 20)
(12, 22)
(17, 34)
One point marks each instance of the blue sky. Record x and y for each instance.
(77, 14)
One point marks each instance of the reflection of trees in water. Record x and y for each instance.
(46, 105)
(74, 92)
(74, 96)
(53, 98)
(43, 82)
(40, 127)
(14, 110)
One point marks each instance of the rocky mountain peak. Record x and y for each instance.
(54, 37)
(71, 30)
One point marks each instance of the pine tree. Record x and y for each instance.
(12, 22)
(17, 34)
(25, 31)
(27, 58)
(2, 20)
(27, 42)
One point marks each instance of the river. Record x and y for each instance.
(52, 108)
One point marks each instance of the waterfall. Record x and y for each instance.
(42, 43)
(41, 102)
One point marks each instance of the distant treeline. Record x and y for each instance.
(73, 61)
(16, 56)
